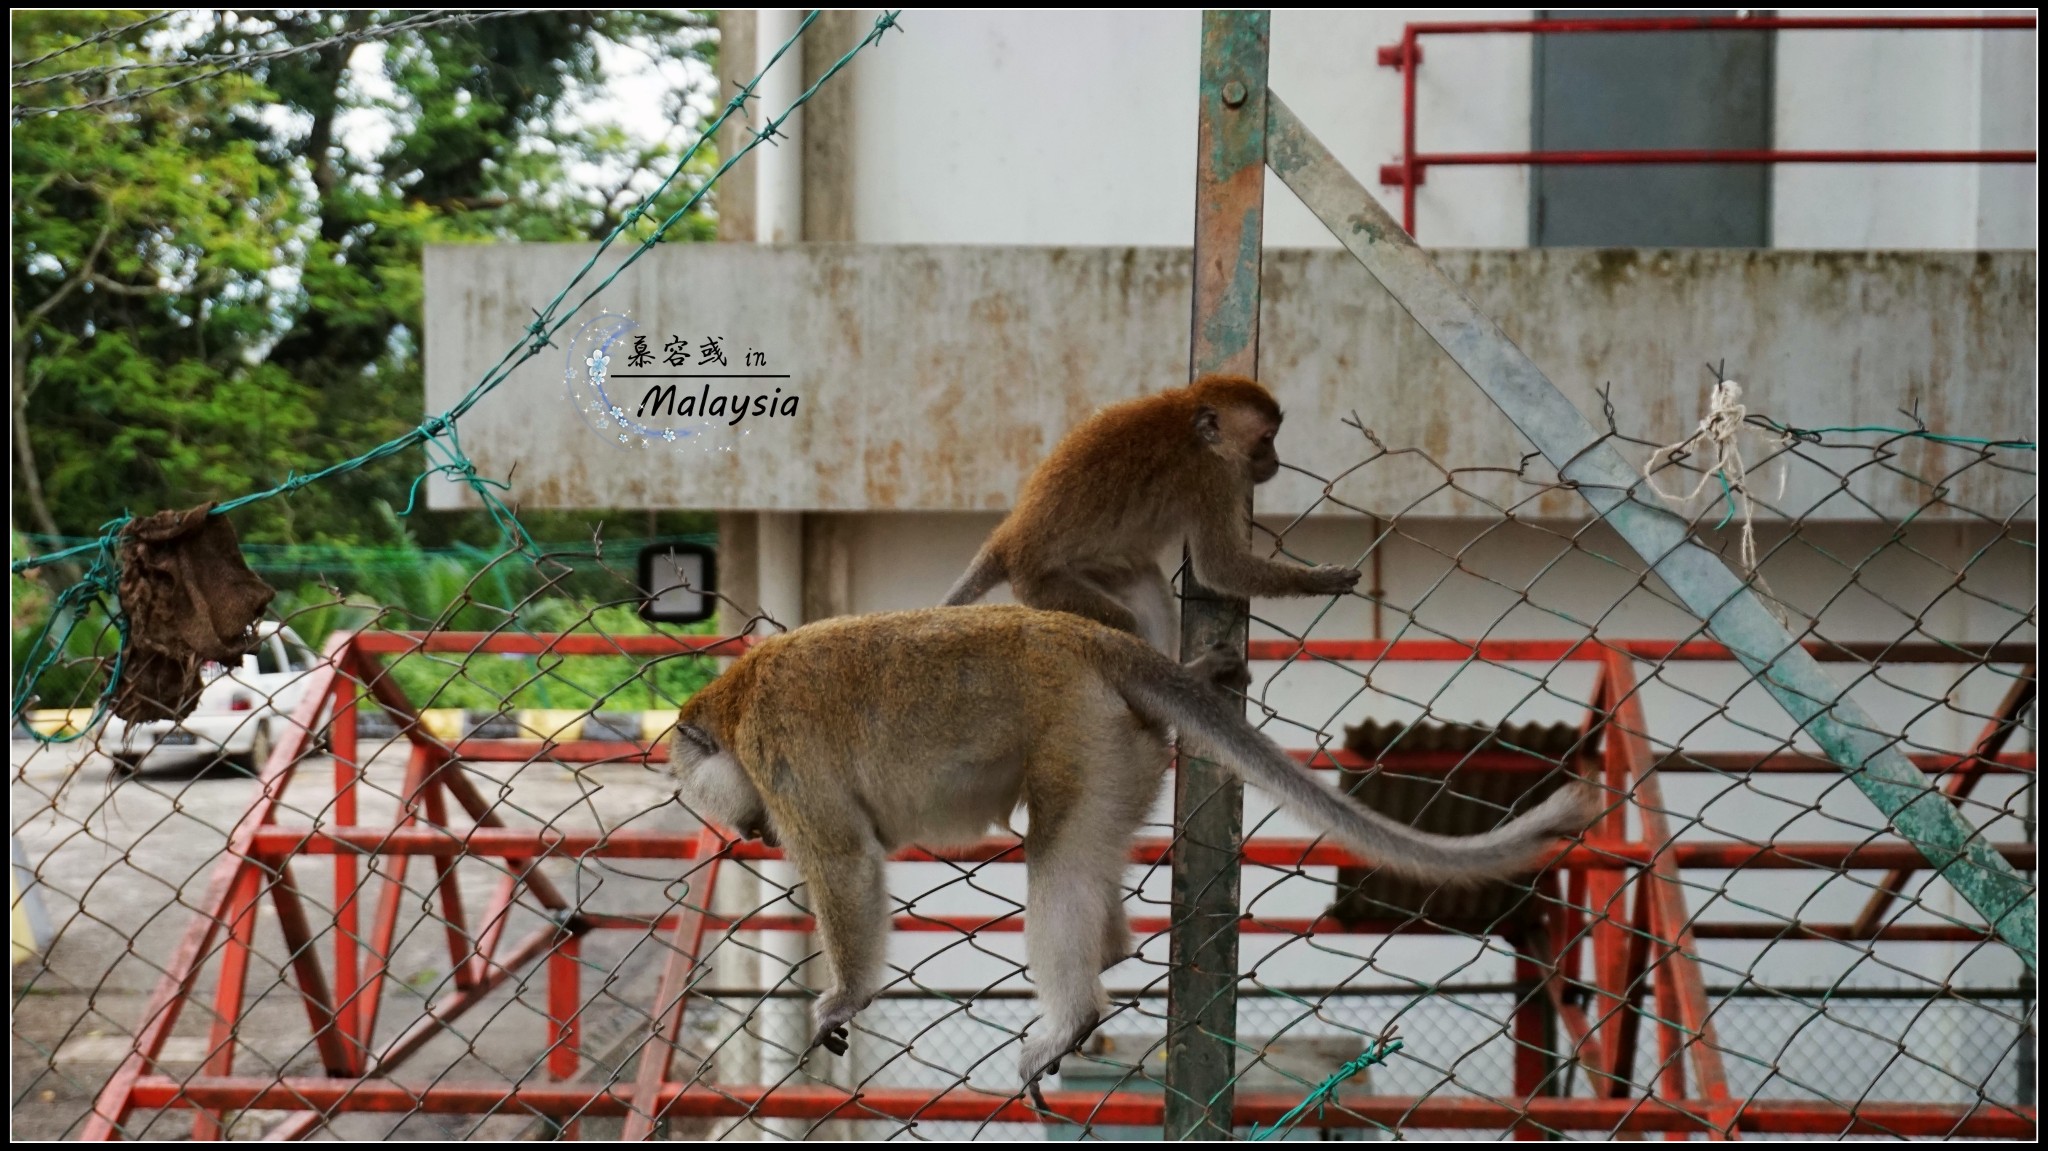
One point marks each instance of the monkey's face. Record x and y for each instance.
(1245, 435)
(1252, 434)
(1264, 457)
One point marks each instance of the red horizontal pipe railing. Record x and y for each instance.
(1727, 23)
(520, 843)
(211, 912)
(563, 643)
(1413, 762)
(1722, 156)
(1796, 763)
(1146, 926)
(567, 751)
(1396, 175)
(1845, 932)
(1006, 923)
(1593, 651)
(1120, 1109)
(1265, 650)
(1746, 762)
(1406, 55)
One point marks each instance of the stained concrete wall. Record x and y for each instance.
(934, 379)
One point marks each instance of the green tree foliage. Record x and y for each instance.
(213, 289)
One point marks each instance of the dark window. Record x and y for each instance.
(1602, 91)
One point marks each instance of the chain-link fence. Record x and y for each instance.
(414, 867)
(420, 871)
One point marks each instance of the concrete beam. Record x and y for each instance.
(935, 378)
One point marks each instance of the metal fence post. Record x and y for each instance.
(1208, 803)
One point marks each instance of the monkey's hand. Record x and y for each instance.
(1329, 579)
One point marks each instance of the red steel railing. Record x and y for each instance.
(1412, 168)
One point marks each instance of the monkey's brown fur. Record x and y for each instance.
(849, 738)
(1088, 528)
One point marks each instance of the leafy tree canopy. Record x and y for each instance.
(216, 272)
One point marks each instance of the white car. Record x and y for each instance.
(242, 712)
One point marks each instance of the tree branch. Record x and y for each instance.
(24, 451)
(121, 289)
(37, 313)
(24, 447)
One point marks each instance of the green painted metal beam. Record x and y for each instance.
(1733, 612)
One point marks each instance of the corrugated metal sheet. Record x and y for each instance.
(935, 378)
(1469, 801)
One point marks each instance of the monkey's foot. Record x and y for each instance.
(833, 1016)
(1223, 666)
(832, 1039)
(1042, 1058)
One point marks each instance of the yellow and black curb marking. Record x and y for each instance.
(448, 724)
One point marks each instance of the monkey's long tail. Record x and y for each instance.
(984, 573)
(1163, 692)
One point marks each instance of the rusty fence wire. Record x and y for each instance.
(417, 870)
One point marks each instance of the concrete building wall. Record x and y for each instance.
(1097, 113)
(1883, 90)
(1072, 128)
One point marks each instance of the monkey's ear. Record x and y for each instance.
(1206, 426)
(698, 737)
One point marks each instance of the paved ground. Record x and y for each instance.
(121, 861)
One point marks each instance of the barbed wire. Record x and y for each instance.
(1383, 1047)
(369, 557)
(237, 61)
(96, 38)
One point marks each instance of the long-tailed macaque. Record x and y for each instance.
(1087, 531)
(850, 738)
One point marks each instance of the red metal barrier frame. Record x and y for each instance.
(332, 1096)
(1624, 911)
(115, 1100)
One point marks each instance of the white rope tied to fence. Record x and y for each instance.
(1720, 432)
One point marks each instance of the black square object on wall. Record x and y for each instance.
(677, 581)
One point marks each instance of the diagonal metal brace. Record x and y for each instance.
(1732, 611)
